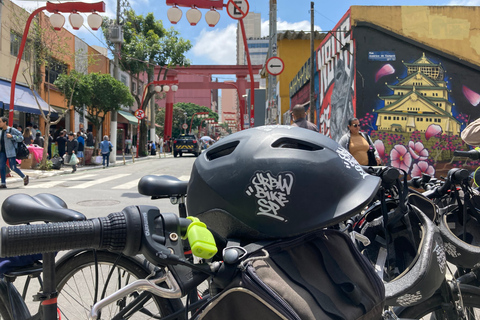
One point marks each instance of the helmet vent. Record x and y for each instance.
(295, 144)
(222, 151)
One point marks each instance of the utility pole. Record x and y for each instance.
(272, 52)
(312, 64)
(116, 75)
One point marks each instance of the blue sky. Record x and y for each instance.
(217, 45)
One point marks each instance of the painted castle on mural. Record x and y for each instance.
(418, 100)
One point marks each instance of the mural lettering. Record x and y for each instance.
(336, 75)
(272, 192)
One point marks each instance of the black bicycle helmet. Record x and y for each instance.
(461, 238)
(409, 254)
(276, 181)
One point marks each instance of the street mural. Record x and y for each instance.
(336, 81)
(416, 118)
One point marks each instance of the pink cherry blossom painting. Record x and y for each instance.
(472, 96)
(384, 71)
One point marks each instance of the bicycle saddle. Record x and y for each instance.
(22, 208)
(162, 186)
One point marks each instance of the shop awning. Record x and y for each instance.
(128, 116)
(24, 99)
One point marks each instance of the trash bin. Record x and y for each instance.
(88, 152)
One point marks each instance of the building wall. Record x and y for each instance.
(294, 53)
(13, 19)
(252, 24)
(229, 101)
(411, 81)
(201, 97)
(452, 29)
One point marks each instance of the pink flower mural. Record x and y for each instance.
(378, 144)
(417, 150)
(422, 167)
(432, 131)
(384, 71)
(400, 158)
(472, 96)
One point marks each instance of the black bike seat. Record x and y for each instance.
(22, 208)
(162, 186)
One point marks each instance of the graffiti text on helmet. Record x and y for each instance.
(350, 161)
(272, 192)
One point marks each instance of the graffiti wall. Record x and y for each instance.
(413, 101)
(336, 74)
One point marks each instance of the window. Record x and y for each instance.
(123, 79)
(134, 87)
(15, 41)
(53, 70)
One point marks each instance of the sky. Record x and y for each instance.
(216, 45)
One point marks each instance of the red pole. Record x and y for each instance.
(17, 64)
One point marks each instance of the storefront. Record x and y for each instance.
(126, 129)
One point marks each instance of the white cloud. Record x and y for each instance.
(218, 45)
(284, 25)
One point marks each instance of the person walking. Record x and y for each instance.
(8, 141)
(61, 141)
(72, 148)
(50, 142)
(106, 147)
(358, 144)
(299, 118)
(81, 146)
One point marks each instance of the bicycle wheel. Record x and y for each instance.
(433, 308)
(12, 306)
(81, 284)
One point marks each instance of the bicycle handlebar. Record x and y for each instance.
(454, 176)
(472, 154)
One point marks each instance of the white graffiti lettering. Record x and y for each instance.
(350, 161)
(325, 121)
(441, 258)
(271, 192)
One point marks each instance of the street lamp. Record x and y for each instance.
(161, 85)
(200, 115)
(57, 21)
(206, 121)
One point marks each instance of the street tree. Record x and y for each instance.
(179, 110)
(99, 93)
(148, 44)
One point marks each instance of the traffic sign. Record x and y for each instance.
(184, 126)
(139, 114)
(275, 66)
(237, 9)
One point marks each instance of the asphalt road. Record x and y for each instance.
(99, 192)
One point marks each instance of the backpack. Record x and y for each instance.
(21, 149)
(320, 275)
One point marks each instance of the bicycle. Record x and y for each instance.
(454, 299)
(105, 271)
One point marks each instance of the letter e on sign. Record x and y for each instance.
(237, 9)
(275, 66)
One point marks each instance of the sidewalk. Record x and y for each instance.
(36, 174)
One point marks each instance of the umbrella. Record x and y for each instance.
(206, 138)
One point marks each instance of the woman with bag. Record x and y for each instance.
(360, 145)
(106, 147)
(72, 148)
(8, 141)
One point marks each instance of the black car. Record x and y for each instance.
(186, 143)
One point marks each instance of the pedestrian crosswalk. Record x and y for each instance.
(83, 181)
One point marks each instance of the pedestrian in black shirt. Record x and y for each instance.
(61, 141)
(72, 148)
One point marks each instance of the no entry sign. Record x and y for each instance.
(275, 66)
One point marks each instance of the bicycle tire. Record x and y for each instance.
(79, 269)
(432, 308)
(17, 310)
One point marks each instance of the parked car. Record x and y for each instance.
(186, 143)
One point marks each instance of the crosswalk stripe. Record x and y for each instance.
(98, 181)
(80, 177)
(45, 185)
(184, 178)
(128, 185)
